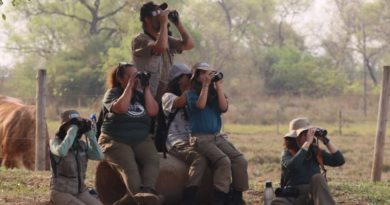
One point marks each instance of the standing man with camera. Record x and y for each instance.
(154, 48)
(302, 161)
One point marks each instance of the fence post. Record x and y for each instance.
(277, 121)
(381, 126)
(40, 131)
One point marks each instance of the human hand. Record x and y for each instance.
(324, 139)
(310, 135)
(208, 78)
(163, 17)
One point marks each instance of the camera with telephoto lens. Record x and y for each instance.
(217, 76)
(174, 16)
(144, 77)
(287, 191)
(320, 132)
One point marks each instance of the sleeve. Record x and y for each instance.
(109, 98)
(334, 160)
(61, 148)
(191, 101)
(141, 46)
(175, 45)
(94, 150)
(293, 162)
(167, 102)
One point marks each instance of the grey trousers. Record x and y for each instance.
(315, 193)
(229, 165)
(84, 198)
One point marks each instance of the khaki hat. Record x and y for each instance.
(68, 115)
(297, 126)
(202, 66)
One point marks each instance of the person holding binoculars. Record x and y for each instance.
(302, 161)
(206, 102)
(69, 155)
(153, 49)
(125, 140)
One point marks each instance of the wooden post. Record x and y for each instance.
(381, 126)
(277, 121)
(40, 131)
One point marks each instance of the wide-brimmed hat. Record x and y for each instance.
(68, 115)
(297, 126)
(151, 9)
(178, 70)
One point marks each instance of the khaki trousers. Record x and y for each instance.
(137, 163)
(84, 198)
(198, 163)
(229, 165)
(315, 193)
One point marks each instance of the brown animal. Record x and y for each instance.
(17, 134)
(170, 183)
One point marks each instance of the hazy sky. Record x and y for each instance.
(314, 21)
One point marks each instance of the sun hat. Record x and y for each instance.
(297, 126)
(178, 70)
(68, 115)
(151, 9)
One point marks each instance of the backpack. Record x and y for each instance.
(99, 121)
(163, 123)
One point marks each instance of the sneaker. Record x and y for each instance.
(148, 196)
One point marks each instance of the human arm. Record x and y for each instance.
(61, 148)
(121, 105)
(161, 43)
(94, 150)
(291, 162)
(222, 100)
(150, 103)
(202, 100)
(187, 41)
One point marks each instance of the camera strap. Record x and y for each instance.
(320, 161)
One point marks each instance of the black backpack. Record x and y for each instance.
(99, 121)
(163, 123)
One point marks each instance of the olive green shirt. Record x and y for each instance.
(299, 169)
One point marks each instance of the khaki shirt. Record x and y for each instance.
(157, 65)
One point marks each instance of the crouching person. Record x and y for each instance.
(69, 155)
(302, 160)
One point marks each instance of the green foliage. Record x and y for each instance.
(292, 71)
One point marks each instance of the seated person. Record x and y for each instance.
(69, 156)
(178, 139)
(302, 160)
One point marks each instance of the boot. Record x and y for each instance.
(219, 197)
(189, 196)
(148, 196)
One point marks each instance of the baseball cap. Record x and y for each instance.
(178, 70)
(68, 115)
(202, 66)
(151, 9)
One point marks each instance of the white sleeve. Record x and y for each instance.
(167, 102)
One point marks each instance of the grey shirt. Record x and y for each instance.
(179, 129)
